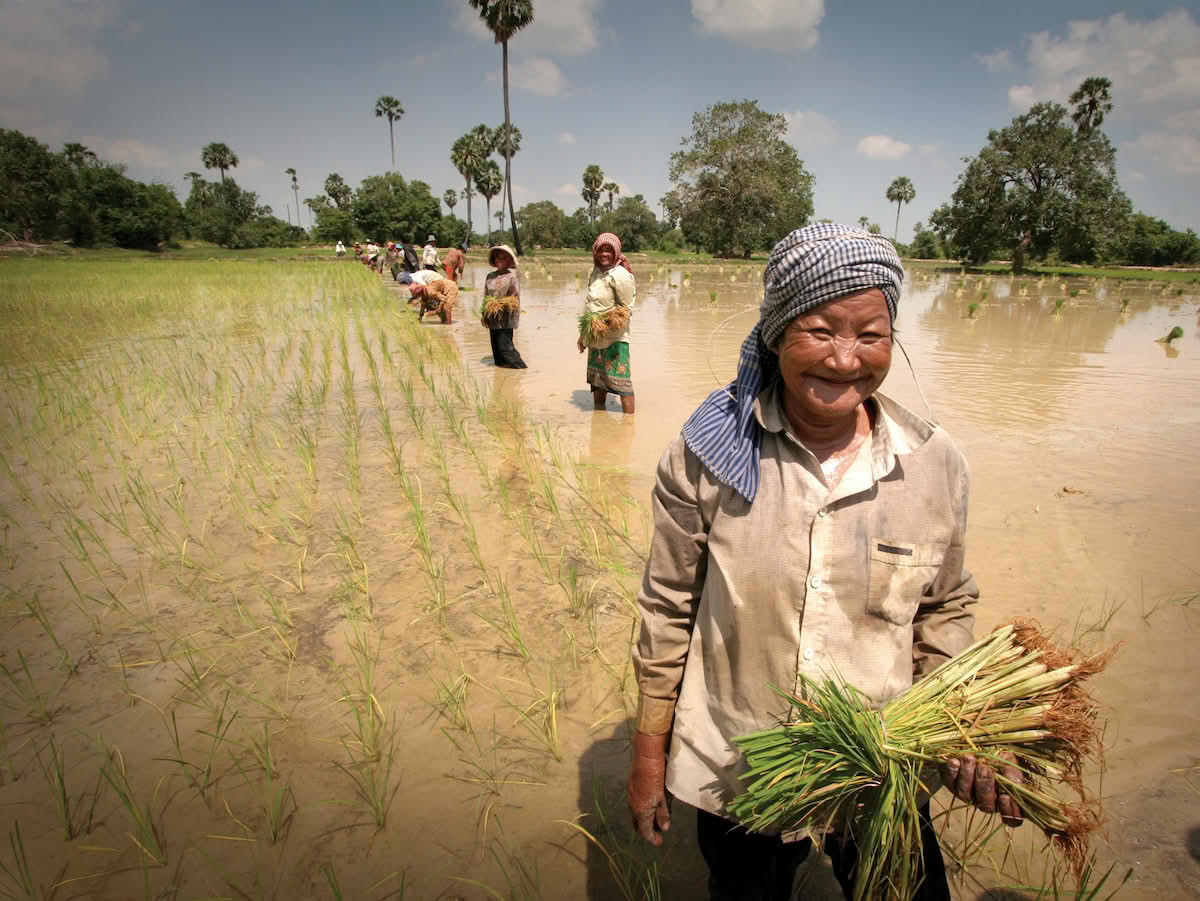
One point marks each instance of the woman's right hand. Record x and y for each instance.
(646, 791)
(579, 344)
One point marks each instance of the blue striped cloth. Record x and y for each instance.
(807, 268)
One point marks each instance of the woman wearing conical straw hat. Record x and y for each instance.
(502, 290)
(804, 525)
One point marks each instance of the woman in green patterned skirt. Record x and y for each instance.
(610, 286)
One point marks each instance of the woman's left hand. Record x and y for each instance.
(579, 344)
(975, 783)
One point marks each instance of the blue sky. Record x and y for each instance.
(871, 90)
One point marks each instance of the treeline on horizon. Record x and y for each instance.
(1044, 188)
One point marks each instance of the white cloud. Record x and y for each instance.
(131, 151)
(565, 137)
(1021, 97)
(997, 59)
(1178, 153)
(882, 147)
(808, 129)
(559, 28)
(567, 190)
(1153, 63)
(51, 49)
(536, 75)
(775, 24)
(928, 148)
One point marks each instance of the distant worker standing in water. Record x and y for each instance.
(455, 262)
(611, 294)
(429, 257)
(501, 283)
(340, 250)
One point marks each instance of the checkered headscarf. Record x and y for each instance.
(608, 239)
(806, 269)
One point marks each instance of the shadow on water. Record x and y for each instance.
(1193, 842)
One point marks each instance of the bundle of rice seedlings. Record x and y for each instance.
(841, 764)
(595, 326)
(495, 307)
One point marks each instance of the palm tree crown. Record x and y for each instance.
(218, 156)
(1093, 101)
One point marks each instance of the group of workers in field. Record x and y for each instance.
(421, 273)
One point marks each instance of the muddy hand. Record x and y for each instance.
(975, 783)
(646, 791)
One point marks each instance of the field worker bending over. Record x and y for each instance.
(455, 262)
(429, 256)
(802, 523)
(340, 250)
(437, 295)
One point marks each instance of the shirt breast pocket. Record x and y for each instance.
(901, 573)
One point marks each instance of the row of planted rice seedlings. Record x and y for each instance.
(223, 530)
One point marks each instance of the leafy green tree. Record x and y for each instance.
(386, 206)
(610, 188)
(387, 106)
(1037, 187)
(900, 191)
(339, 192)
(218, 156)
(490, 182)
(544, 223)
(738, 183)
(925, 244)
(1152, 242)
(295, 190)
(450, 198)
(634, 222)
(467, 155)
(1092, 101)
(504, 18)
(593, 184)
(332, 222)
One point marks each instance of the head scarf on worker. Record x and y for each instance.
(807, 268)
(611, 241)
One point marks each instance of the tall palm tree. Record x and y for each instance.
(390, 107)
(900, 191)
(450, 198)
(863, 222)
(514, 139)
(1093, 100)
(490, 182)
(296, 191)
(593, 181)
(218, 156)
(610, 188)
(504, 18)
(468, 154)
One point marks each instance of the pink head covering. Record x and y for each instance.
(611, 241)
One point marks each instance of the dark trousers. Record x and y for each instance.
(504, 353)
(746, 866)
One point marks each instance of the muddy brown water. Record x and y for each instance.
(1079, 428)
(1081, 432)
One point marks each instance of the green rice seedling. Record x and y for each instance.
(278, 805)
(506, 624)
(451, 701)
(373, 778)
(39, 706)
(712, 297)
(579, 599)
(1058, 305)
(1170, 336)
(1074, 292)
(1124, 304)
(540, 715)
(75, 815)
(359, 695)
(528, 530)
(201, 776)
(147, 831)
(38, 612)
(17, 875)
(972, 309)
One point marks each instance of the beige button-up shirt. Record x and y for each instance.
(866, 581)
(607, 289)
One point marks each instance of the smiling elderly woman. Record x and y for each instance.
(803, 523)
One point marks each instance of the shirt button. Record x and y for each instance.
(815, 581)
(808, 653)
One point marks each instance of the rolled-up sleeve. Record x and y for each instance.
(944, 624)
(671, 586)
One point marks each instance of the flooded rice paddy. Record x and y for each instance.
(303, 599)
